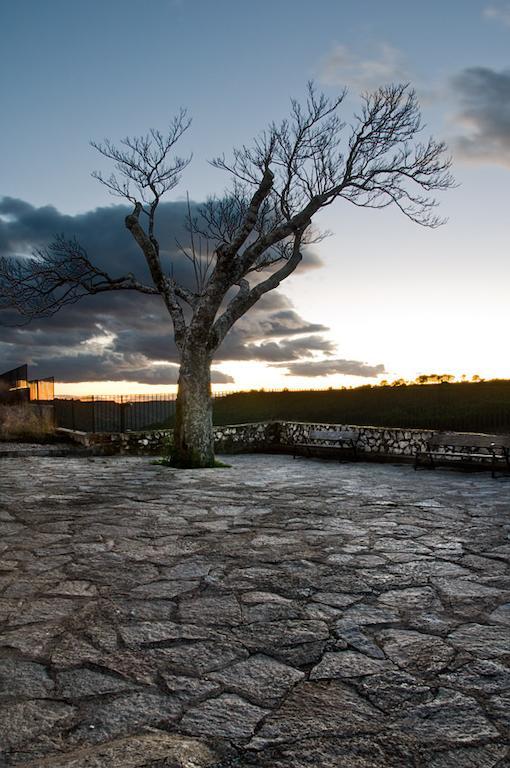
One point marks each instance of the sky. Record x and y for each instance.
(380, 298)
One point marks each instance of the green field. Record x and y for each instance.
(463, 407)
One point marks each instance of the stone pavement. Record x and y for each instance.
(22, 450)
(275, 614)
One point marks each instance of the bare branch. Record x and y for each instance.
(246, 297)
(144, 174)
(166, 287)
(142, 163)
(251, 215)
(279, 183)
(53, 277)
(379, 164)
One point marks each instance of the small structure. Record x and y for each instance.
(15, 387)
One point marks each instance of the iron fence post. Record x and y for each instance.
(122, 416)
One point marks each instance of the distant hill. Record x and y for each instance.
(464, 407)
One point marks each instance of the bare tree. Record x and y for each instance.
(253, 236)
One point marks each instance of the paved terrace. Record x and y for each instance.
(278, 613)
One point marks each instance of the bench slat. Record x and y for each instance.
(341, 439)
(468, 440)
(463, 454)
(466, 447)
(317, 434)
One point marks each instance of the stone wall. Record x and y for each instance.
(106, 443)
(247, 438)
(375, 443)
(380, 443)
(372, 440)
(240, 438)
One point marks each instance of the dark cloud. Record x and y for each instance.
(334, 367)
(101, 364)
(127, 336)
(115, 368)
(294, 349)
(484, 96)
(103, 235)
(289, 323)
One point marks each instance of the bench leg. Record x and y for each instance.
(506, 456)
(419, 464)
(427, 456)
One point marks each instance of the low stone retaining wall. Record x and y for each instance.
(240, 438)
(375, 443)
(372, 440)
(248, 438)
(385, 443)
(106, 443)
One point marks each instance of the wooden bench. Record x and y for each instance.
(465, 448)
(339, 439)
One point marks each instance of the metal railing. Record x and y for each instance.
(442, 409)
(116, 413)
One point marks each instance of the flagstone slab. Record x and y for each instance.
(223, 610)
(78, 683)
(470, 757)
(24, 679)
(23, 722)
(346, 664)
(228, 716)
(450, 718)
(482, 640)
(154, 749)
(261, 679)
(315, 708)
(415, 651)
(102, 720)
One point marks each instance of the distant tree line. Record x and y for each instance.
(431, 378)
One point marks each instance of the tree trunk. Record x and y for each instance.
(193, 431)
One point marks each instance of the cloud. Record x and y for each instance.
(498, 12)
(311, 368)
(137, 368)
(484, 115)
(289, 323)
(92, 361)
(104, 236)
(343, 66)
(128, 336)
(294, 349)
